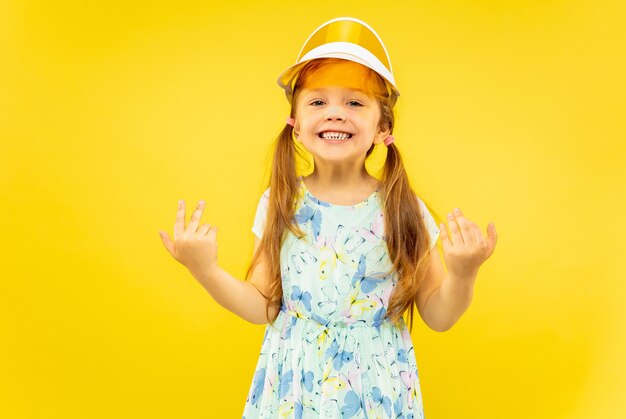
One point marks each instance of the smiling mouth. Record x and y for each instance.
(345, 136)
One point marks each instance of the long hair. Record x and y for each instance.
(405, 232)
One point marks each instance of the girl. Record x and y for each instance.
(339, 255)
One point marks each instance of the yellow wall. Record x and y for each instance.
(109, 114)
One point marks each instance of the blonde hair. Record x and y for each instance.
(405, 232)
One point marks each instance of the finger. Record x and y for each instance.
(212, 234)
(478, 235)
(445, 237)
(179, 224)
(195, 217)
(204, 229)
(455, 233)
(465, 226)
(167, 242)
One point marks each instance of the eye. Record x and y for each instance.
(352, 101)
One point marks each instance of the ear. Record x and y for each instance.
(380, 137)
(296, 132)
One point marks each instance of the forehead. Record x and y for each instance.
(346, 75)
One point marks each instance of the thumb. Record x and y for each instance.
(169, 245)
(493, 236)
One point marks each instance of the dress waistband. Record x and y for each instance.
(336, 324)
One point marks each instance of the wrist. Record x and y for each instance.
(206, 274)
(463, 277)
(460, 283)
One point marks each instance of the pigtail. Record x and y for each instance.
(406, 236)
(283, 192)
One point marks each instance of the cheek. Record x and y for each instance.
(306, 124)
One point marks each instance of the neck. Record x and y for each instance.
(337, 183)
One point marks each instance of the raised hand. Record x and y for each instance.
(465, 248)
(195, 247)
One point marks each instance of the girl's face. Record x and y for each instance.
(334, 100)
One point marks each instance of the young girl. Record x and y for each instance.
(339, 255)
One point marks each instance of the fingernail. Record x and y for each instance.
(201, 202)
(450, 216)
(457, 211)
(180, 202)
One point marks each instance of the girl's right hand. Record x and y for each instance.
(194, 247)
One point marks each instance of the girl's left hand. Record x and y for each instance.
(465, 248)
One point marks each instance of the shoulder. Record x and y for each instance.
(420, 202)
(265, 196)
(428, 215)
(264, 199)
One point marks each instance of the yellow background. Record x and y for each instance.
(110, 112)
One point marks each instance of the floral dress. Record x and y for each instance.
(330, 352)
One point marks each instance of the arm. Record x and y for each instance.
(443, 298)
(195, 247)
(239, 297)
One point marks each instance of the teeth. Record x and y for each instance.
(335, 135)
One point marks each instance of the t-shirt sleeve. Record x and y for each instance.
(431, 224)
(261, 214)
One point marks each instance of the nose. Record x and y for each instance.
(334, 113)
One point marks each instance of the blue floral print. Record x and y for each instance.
(331, 352)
